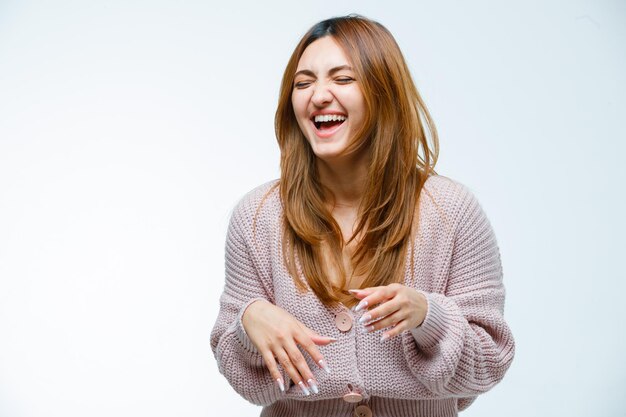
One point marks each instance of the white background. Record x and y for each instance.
(130, 129)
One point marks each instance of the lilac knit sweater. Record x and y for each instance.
(462, 349)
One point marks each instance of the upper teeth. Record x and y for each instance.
(329, 117)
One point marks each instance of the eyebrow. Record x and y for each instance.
(332, 70)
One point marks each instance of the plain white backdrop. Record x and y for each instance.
(130, 129)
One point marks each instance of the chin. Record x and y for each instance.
(328, 152)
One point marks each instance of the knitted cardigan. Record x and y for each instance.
(462, 349)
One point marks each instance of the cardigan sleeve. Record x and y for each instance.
(237, 357)
(464, 346)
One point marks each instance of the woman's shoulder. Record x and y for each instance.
(259, 204)
(448, 197)
(265, 191)
(446, 189)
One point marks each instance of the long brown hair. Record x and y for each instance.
(397, 126)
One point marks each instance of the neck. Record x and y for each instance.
(345, 177)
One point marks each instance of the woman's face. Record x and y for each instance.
(326, 98)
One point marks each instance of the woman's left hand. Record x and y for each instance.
(400, 307)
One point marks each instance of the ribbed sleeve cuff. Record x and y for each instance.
(240, 332)
(433, 328)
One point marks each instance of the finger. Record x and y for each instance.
(316, 338)
(390, 320)
(396, 330)
(286, 362)
(358, 293)
(374, 295)
(272, 366)
(322, 340)
(387, 308)
(297, 358)
(363, 292)
(309, 345)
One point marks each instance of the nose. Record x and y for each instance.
(321, 95)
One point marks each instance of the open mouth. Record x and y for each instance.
(328, 122)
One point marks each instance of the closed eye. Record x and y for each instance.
(302, 84)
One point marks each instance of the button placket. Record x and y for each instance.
(344, 322)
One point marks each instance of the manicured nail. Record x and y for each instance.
(281, 384)
(304, 388)
(354, 291)
(323, 365)
(332, 339)
(313, 386)
(384, 337)
(360, 306)
(365, 318)
(366, 329)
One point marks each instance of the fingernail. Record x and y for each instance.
(323, 365)
(365, 318)
(281, 384)
(313, 386)
(332, 339)
(304, 388)
(354, 291)
(360, 306)
(366, 329)
(384, 337)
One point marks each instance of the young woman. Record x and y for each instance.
(359, 283)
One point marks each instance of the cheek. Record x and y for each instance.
(298, 103)
(359, 106)
(353, 100)
(300, 109)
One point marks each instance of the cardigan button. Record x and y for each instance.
(343, 321)
(363, 411)
(353, 397)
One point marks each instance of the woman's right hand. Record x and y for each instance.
(277, 334)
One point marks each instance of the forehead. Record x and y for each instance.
(323, 54)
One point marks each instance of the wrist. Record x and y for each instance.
(422, 309)
(249, 310)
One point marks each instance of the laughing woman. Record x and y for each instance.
(360, 282)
